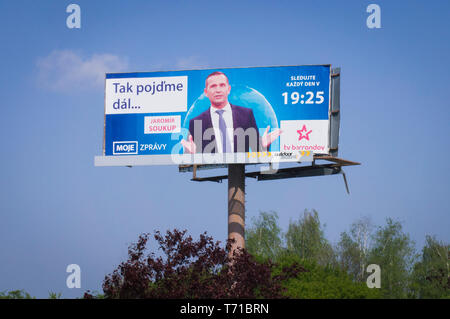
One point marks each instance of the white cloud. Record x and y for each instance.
(68, 71)
(192, 62)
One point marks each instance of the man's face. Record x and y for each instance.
(217, 90)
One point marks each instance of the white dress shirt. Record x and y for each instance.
(228, 117)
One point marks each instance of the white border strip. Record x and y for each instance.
(202, 159)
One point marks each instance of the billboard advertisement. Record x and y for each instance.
(234, 115)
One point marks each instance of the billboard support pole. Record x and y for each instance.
(236, 206)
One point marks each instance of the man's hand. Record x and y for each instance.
(267, 139)
(189, 146)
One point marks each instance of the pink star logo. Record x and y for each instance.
(303, 135)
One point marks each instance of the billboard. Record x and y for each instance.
(233, 115)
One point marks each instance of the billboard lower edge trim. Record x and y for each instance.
(198, 159)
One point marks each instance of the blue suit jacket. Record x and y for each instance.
(242, 118)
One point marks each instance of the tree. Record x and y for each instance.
(353, 249)
(349, 256)
(394, 252)
(306, 238)
(193, 269)
(322, 282)
(431, 275)
(15, 294)
(263, 238)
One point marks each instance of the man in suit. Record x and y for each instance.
(225, 128)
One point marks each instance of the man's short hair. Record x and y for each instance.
(214, 74)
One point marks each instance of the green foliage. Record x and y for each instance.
(349, 255)
(15, 294)
(306, 245)
(354, 247)
(394, 252)
(322, 282)
(431, 274)
(340, 271)
(22, 294)
(263, 238)
(306, 239)
(54, 295)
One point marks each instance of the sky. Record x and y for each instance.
(57, 208)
